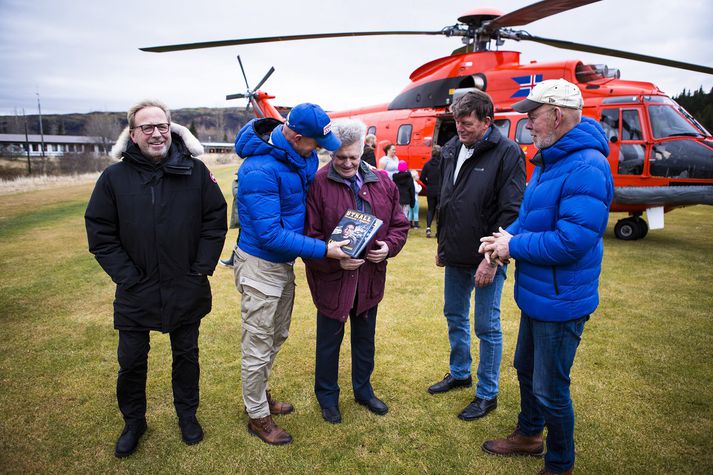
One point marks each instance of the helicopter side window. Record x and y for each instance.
(681, 159)
(404, 135)
(371, 130)
(522, 135)
(503, 126)
(666, 122)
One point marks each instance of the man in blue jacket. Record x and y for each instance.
(280, 164)
(557, 244)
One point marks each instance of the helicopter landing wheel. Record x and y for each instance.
(643, 227)
(627, 229)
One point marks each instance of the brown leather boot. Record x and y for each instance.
(516, 443)
(277, 407)
(268, 431)
(569, 471)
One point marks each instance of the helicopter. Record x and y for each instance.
(661, 157)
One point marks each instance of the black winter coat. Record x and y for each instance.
(407, 190)
(368, 156)
(158, 231)
(431, 176)
(486, 196)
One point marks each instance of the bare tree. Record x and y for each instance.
(103, 126)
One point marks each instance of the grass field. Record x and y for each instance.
(642, 380)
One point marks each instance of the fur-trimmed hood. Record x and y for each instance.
(192, 143)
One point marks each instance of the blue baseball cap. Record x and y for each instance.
(311, 121)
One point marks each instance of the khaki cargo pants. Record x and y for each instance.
(268, 290)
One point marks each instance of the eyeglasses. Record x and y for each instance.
(148, 129)
(533, 117)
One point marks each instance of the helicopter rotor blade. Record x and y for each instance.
(534, 12)
(235, 96)
(272, 70)
(618, 53)
(270, 39)
(242, 69)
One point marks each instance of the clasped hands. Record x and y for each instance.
(496, 248)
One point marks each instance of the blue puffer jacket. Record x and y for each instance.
(557, 237)
(272, 193)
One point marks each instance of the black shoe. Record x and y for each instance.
(375, 405)
(448, 383)
(191, 430)
(332, 414)
(129, 439)
(478, 408)
(226, 262)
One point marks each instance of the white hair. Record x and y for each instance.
(349, 131)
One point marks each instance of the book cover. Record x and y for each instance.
(358, 228)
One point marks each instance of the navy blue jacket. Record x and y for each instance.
(557, 240)
(272, 194)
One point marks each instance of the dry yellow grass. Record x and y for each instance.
(642, 382)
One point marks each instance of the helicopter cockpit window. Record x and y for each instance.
(610, 122)
(371, 130)
(522, 135)
(666, 122)
(681, 159)
(503, 126)
(404, 135)
(630, 125)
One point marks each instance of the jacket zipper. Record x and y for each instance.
(554, 280)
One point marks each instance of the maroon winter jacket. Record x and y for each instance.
(333, 288)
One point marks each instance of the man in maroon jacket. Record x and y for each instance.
(350, 287)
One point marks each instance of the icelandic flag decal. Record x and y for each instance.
(526, 84)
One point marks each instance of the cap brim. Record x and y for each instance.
(526, 105)
(329, 142)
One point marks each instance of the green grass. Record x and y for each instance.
(642, 380)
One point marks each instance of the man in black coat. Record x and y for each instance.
(431, 177)
(482, 183)
(156, 223)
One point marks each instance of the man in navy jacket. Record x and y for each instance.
(280, 164)
(557, 244)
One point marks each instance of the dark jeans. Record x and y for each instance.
(543, 359)
(133, 355)
(330, 333)
(432, 202)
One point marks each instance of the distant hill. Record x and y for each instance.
(211, 124)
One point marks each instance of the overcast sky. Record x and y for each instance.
(82, 55)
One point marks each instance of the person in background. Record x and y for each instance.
(350, 289)
(482, 182)
(234, 220)
(431, 178)
(557, 242)
(156, 223)
(279, 165)
(405, 184)
(413, 210)
(369, 155)
(389, 162)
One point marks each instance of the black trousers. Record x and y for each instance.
(133, 355)
(432, 202)
(330, 334)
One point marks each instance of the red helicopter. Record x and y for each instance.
(661, 157)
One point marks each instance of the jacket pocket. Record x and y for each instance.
(329, 294)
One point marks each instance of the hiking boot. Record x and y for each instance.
(269, 432)
(129, 439)
(277, 407)
(191, 430)
(516, 443)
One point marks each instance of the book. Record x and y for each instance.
(358, 228)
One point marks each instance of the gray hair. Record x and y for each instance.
(144, 104)
(349, 131)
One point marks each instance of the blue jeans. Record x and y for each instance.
(459, 285)
(543, 359)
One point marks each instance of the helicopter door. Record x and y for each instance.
(626, 140)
